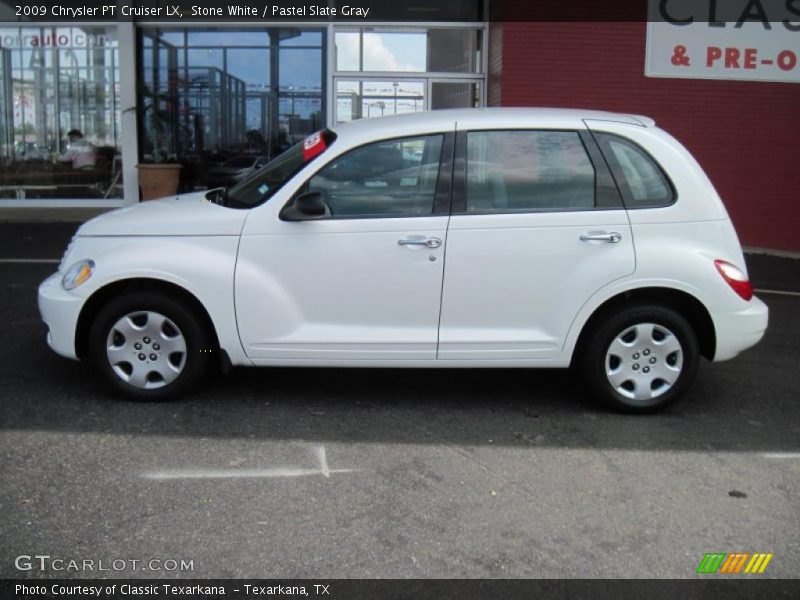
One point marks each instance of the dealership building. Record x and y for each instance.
(203, 91)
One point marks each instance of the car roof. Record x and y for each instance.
(478, 118)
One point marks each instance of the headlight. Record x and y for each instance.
(77, 274)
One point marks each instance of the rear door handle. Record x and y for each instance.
(611, 238)
(427, 242)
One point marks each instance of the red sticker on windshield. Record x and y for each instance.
(313, 146)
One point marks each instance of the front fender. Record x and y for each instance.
(203, 266)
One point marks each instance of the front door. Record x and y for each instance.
(537, 228)
(362, 283)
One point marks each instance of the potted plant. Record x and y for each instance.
(160, 175)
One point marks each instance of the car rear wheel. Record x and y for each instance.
(641, 358)
(149, 346)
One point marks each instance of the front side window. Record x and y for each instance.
(393, 178)
(640, 179)
(528, 171)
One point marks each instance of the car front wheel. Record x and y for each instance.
(149, 346)
(641, 358)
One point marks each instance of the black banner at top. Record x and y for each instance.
(678, 12)
(416, 11)
(241, 10)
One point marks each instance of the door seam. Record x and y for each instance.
(446, 234)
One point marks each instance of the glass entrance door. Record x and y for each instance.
(369, 97)
(450, 93)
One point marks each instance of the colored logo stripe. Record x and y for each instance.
(721, 562)
(734, 562)
(758, 563)
(711, 562)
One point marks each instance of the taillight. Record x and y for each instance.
(735, 278)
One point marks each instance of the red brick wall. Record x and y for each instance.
(746, 135)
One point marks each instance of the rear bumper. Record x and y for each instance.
(60, 310)
(739, 330)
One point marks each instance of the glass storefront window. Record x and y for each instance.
(59, 113)
(395, 52)
(454, 51)
(368, 98)
(455, 94)
(205, 57)
(251, 65)
(230, 93)
(348, 51)
(436, 68)
(298, 37)
(433, 50)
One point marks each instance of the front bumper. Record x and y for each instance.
(739, 330)
(60, 310)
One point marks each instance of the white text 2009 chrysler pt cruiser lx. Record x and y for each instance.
(468, 238)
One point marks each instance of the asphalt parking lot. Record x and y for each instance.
(380, 473)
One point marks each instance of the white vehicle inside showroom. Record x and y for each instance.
(455, 238)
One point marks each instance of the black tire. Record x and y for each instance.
(190, 368)
(599, 364)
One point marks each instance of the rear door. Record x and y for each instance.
(538, 226)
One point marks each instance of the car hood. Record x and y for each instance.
(187, 214)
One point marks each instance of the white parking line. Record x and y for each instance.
(323, 461)
(779, 292)
(319, 451)
(781, 455)
(239, 473)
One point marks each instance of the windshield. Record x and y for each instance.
(266, 181)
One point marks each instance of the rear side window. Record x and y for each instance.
(641, 180)
(528, 171)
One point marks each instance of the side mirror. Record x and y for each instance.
(305, 207)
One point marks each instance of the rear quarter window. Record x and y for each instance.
(641, 180)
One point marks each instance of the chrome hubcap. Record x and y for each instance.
(644, 361)
(146, 350)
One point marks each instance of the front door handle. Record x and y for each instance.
(611, 238)
(427, 242)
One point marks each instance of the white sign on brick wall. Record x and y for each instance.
(756, 40)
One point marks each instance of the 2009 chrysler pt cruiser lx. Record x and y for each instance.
(469, 238)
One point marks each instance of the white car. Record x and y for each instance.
(514, 238)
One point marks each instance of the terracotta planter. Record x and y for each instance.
(157, 181)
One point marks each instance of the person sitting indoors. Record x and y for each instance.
(80, 152)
